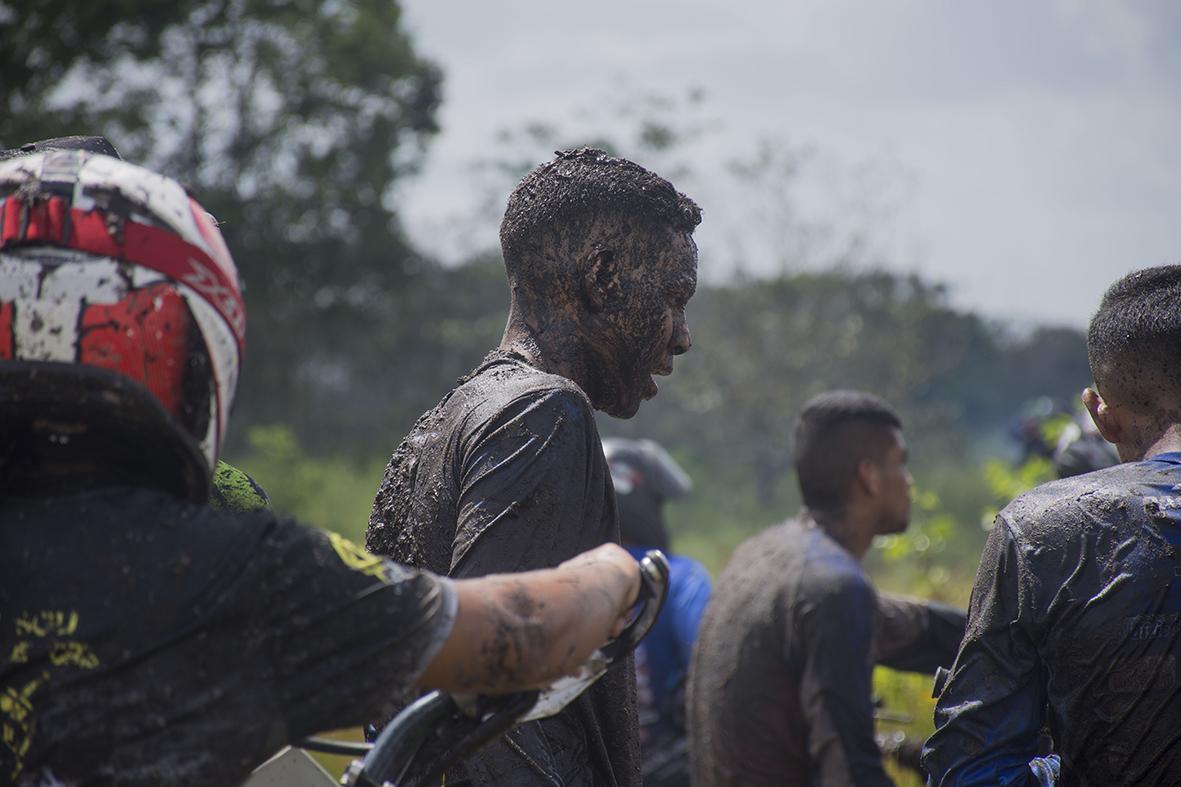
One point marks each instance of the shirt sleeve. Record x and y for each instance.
(349, 633)
(916, 636)
(527, 487)
(990, 711)
(836, 683)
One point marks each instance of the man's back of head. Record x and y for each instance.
(1134, 349)
(583, 198)
(1134, 340)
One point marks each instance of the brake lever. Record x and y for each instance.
(654, 573)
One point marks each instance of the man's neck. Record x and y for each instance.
(1168, 441)
(551, 346)
(854, 536)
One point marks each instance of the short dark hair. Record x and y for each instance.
(834, 433)
(1134, 340)
(568, 194)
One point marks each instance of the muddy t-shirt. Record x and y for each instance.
(507, 474)
(780, 683)
(145, 641)
(1076, 608)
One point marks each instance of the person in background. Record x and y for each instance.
(146, 638)
(780, 686)
(1075, 616)
(1081, 449)
(645, 477)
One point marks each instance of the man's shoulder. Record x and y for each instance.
(824, 563)
(796, 558)
(1103, 497)
(502, 383)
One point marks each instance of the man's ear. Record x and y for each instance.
(869, 476)
(1106, 419)
(600, 277)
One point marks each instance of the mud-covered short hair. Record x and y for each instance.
(834, 433)
(568, 195)
(1134, 340)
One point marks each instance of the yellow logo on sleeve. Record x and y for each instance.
(358, 558)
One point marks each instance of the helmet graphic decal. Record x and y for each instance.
(106, 264)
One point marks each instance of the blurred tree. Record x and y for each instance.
(292, 121)
(775, 343)
(827, 317)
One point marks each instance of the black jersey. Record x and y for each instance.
(146, 641)
(1075, 621)
(507, 474)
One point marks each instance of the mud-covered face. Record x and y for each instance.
(643, 325)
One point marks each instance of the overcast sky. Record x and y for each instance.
(1026, 153)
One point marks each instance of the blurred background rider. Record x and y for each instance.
(645, 477)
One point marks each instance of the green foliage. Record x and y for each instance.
(920, 549)
(908, 707)
(1006, 481)
(332, 493)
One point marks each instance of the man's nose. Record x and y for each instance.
(681, 340)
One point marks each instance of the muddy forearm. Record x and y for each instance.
(524, 630)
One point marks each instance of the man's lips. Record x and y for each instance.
(652, 388)
(664, 371)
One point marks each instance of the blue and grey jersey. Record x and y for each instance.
(1075, 622)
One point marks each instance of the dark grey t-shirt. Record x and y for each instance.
(781, 679)
(505, 474)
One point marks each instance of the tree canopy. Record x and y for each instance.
(291, 121)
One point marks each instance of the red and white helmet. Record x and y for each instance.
(108, 265)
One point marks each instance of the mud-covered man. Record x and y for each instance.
(507, 472)
(1075, 618)
(146, 638)
(780, 683)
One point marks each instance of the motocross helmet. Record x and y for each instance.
(122, 325)
(94, 144)
(644, 476)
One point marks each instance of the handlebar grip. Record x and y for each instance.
(654, 574)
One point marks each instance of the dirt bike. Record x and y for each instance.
(441, 730)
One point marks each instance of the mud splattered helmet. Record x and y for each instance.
(644, 476)
(122, 326)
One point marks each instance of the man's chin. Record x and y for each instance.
(622, 405)
(894, 528)
(622, 410)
